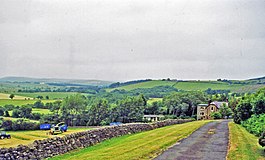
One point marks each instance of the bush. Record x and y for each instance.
(216, 115)
(20, 124)
(242, 112)
(255, 124)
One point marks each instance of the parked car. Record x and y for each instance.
(3, 135)
(58, 128)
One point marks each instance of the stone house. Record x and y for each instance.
(204, 110)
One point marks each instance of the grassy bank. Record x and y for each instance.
(144, 145)
(243, 145)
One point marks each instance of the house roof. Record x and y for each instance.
(218, 104)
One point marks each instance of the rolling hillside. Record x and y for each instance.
(55, 80)
(234, 86)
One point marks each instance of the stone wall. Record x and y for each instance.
(41, 149)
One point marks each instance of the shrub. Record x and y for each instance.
(243, 112)
(216, 115)
(20, 124)
(255, 124)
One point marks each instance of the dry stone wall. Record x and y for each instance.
(50, 147)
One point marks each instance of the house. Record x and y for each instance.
(153, 117)
(204, 110)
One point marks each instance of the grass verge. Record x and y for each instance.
(243, 145)
(144, 145)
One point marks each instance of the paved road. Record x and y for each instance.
(209, 142)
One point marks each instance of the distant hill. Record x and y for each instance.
(260, 80)
(55, 80)
(232, 85)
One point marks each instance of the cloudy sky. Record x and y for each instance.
(132, 39)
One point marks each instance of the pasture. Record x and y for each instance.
(144, 145)
(27, 137)
(151, 100)
(35, 110)
(20, 102)
(192, 86)
(17, 97)
(51, 95)
(148, 84)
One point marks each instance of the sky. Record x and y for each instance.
(121, 40)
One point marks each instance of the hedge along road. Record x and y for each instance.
(208, 142)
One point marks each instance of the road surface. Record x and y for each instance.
(210, 142)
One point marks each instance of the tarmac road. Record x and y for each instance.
(210, 142)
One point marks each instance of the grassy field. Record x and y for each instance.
(41, 111)
(148, 84)
(52, 95)
(27, 137)
(192, 85)
(20, 102)
(243, 145)
(151, 100)
(36, 110)
(6, 96)
(144, 145)
(204, 85)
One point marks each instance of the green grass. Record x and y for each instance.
(36, 110)
(151, 100)
(52, 95)
(27, 137)
(144, 145)
(6, 96)
(204, 85)
(20, 102)
(193, 86)
(243, 145)
(41, 111)
(148, 84)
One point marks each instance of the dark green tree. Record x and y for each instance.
(243, 112)
(11, 96)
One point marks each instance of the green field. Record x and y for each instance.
(6, 96)
(41, 111)
(148, 84)
(243, 145)
(193, 85)
(204, 85)
(151, 100)
(27, 137)
(20, 102)
(36, 110)
(52, 95)
(144, 145)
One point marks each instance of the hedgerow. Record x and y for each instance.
(255, 124)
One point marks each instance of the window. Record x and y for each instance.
(212, 108)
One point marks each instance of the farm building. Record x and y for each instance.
(204, 110)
